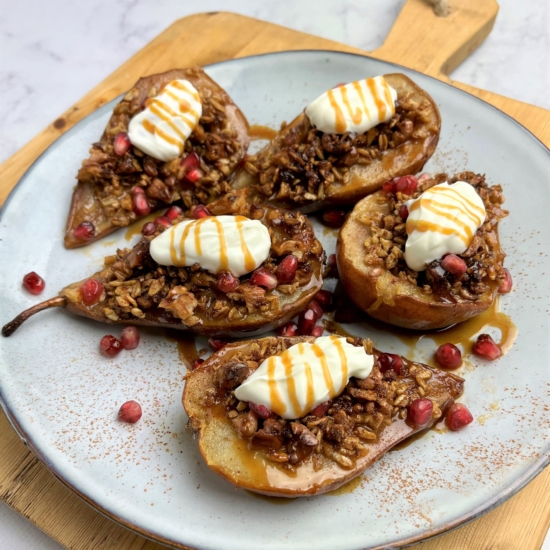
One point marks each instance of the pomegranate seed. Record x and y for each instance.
(290, 329)
(389, 186)
(200, 211)
(406, 185)
(194, 175)
(216, 344)
(261, 410)
(454, 264)
(84, 231)
(110, 346)
(121, 143)
(486, 347)
(423, 177)
(91, 291)
(149, 229)
(448, 356)
(263, 277)
(321, 409)
(173, 212)
(458, 416)
(316, 308)
(420, 412)
(286, 271)
(129, 337)
(506, 285)
(137, 189)
(324, 299)
(190, 162)
(334, 218)
(161, 220)
(130, 412)
(140, 204)
(227, 282)
(33, 283)
(197, 363)
(306, 322)
(387, 361)
(317, 331)
(403, 212)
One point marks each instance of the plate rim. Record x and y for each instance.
(533, 471)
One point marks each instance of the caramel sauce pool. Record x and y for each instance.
(257, 132)
(135, 228)
(187, 349)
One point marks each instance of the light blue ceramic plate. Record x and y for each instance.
(62, 396)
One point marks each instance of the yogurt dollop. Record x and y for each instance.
(443, 220)
(218, 243)
(354, 107)
(305, 375)
(160, 130)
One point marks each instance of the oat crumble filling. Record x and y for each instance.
(351, 421)
(483, 258)
(307, 167)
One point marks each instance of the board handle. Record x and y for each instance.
(434, 45)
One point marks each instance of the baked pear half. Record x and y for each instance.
(371, 257)
(258, 450)
(105, 197)
(133, 289)
(306, 168)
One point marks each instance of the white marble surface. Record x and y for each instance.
(52, 53)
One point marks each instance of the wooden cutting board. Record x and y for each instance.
(419, 40)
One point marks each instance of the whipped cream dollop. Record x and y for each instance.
(354, 107)
(443, 220)
(160, 130)
(305, 375)
(217, 243)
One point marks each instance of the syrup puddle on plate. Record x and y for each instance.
(258, 132)
(187, 348)
(135, 228)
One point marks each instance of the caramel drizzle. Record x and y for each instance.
(224, 262)
(159, 108)
(184, 235)
(380, 104)
(343, 361)
(387, 96)
(277, 403)
(286, 359)
(340, 120)
(249, 262)
(358, 115)
(326, 371)
(310, 393)
(198, 244)
(185, 106)
(361, 95)
(181, 86)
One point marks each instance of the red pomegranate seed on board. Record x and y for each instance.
(334, 218)
(129, 337)
(130, 412)
(121, 143)
(161, 220)
(190, 162)
(110, 346)
(406, 185)
(420, 412)
(261, 410)
(486, 347)
(507, 284)
(317, 331)
(321, 409)
(227, 282)
(84, 231)
(324, 299)
(200, 211)
(286, 270)
(216, 344)
(454, 264)
(91, 291)
(263, 277)
(448, 356)
(387, 361)
(316, 308)
(306, 322)
(458, 416)
(33, 283)
(389, 186)
(149, 229)
(290, 329)
(140, 204)
(403, 212)
(173, 212)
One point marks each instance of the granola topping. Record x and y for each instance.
(483, 257)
